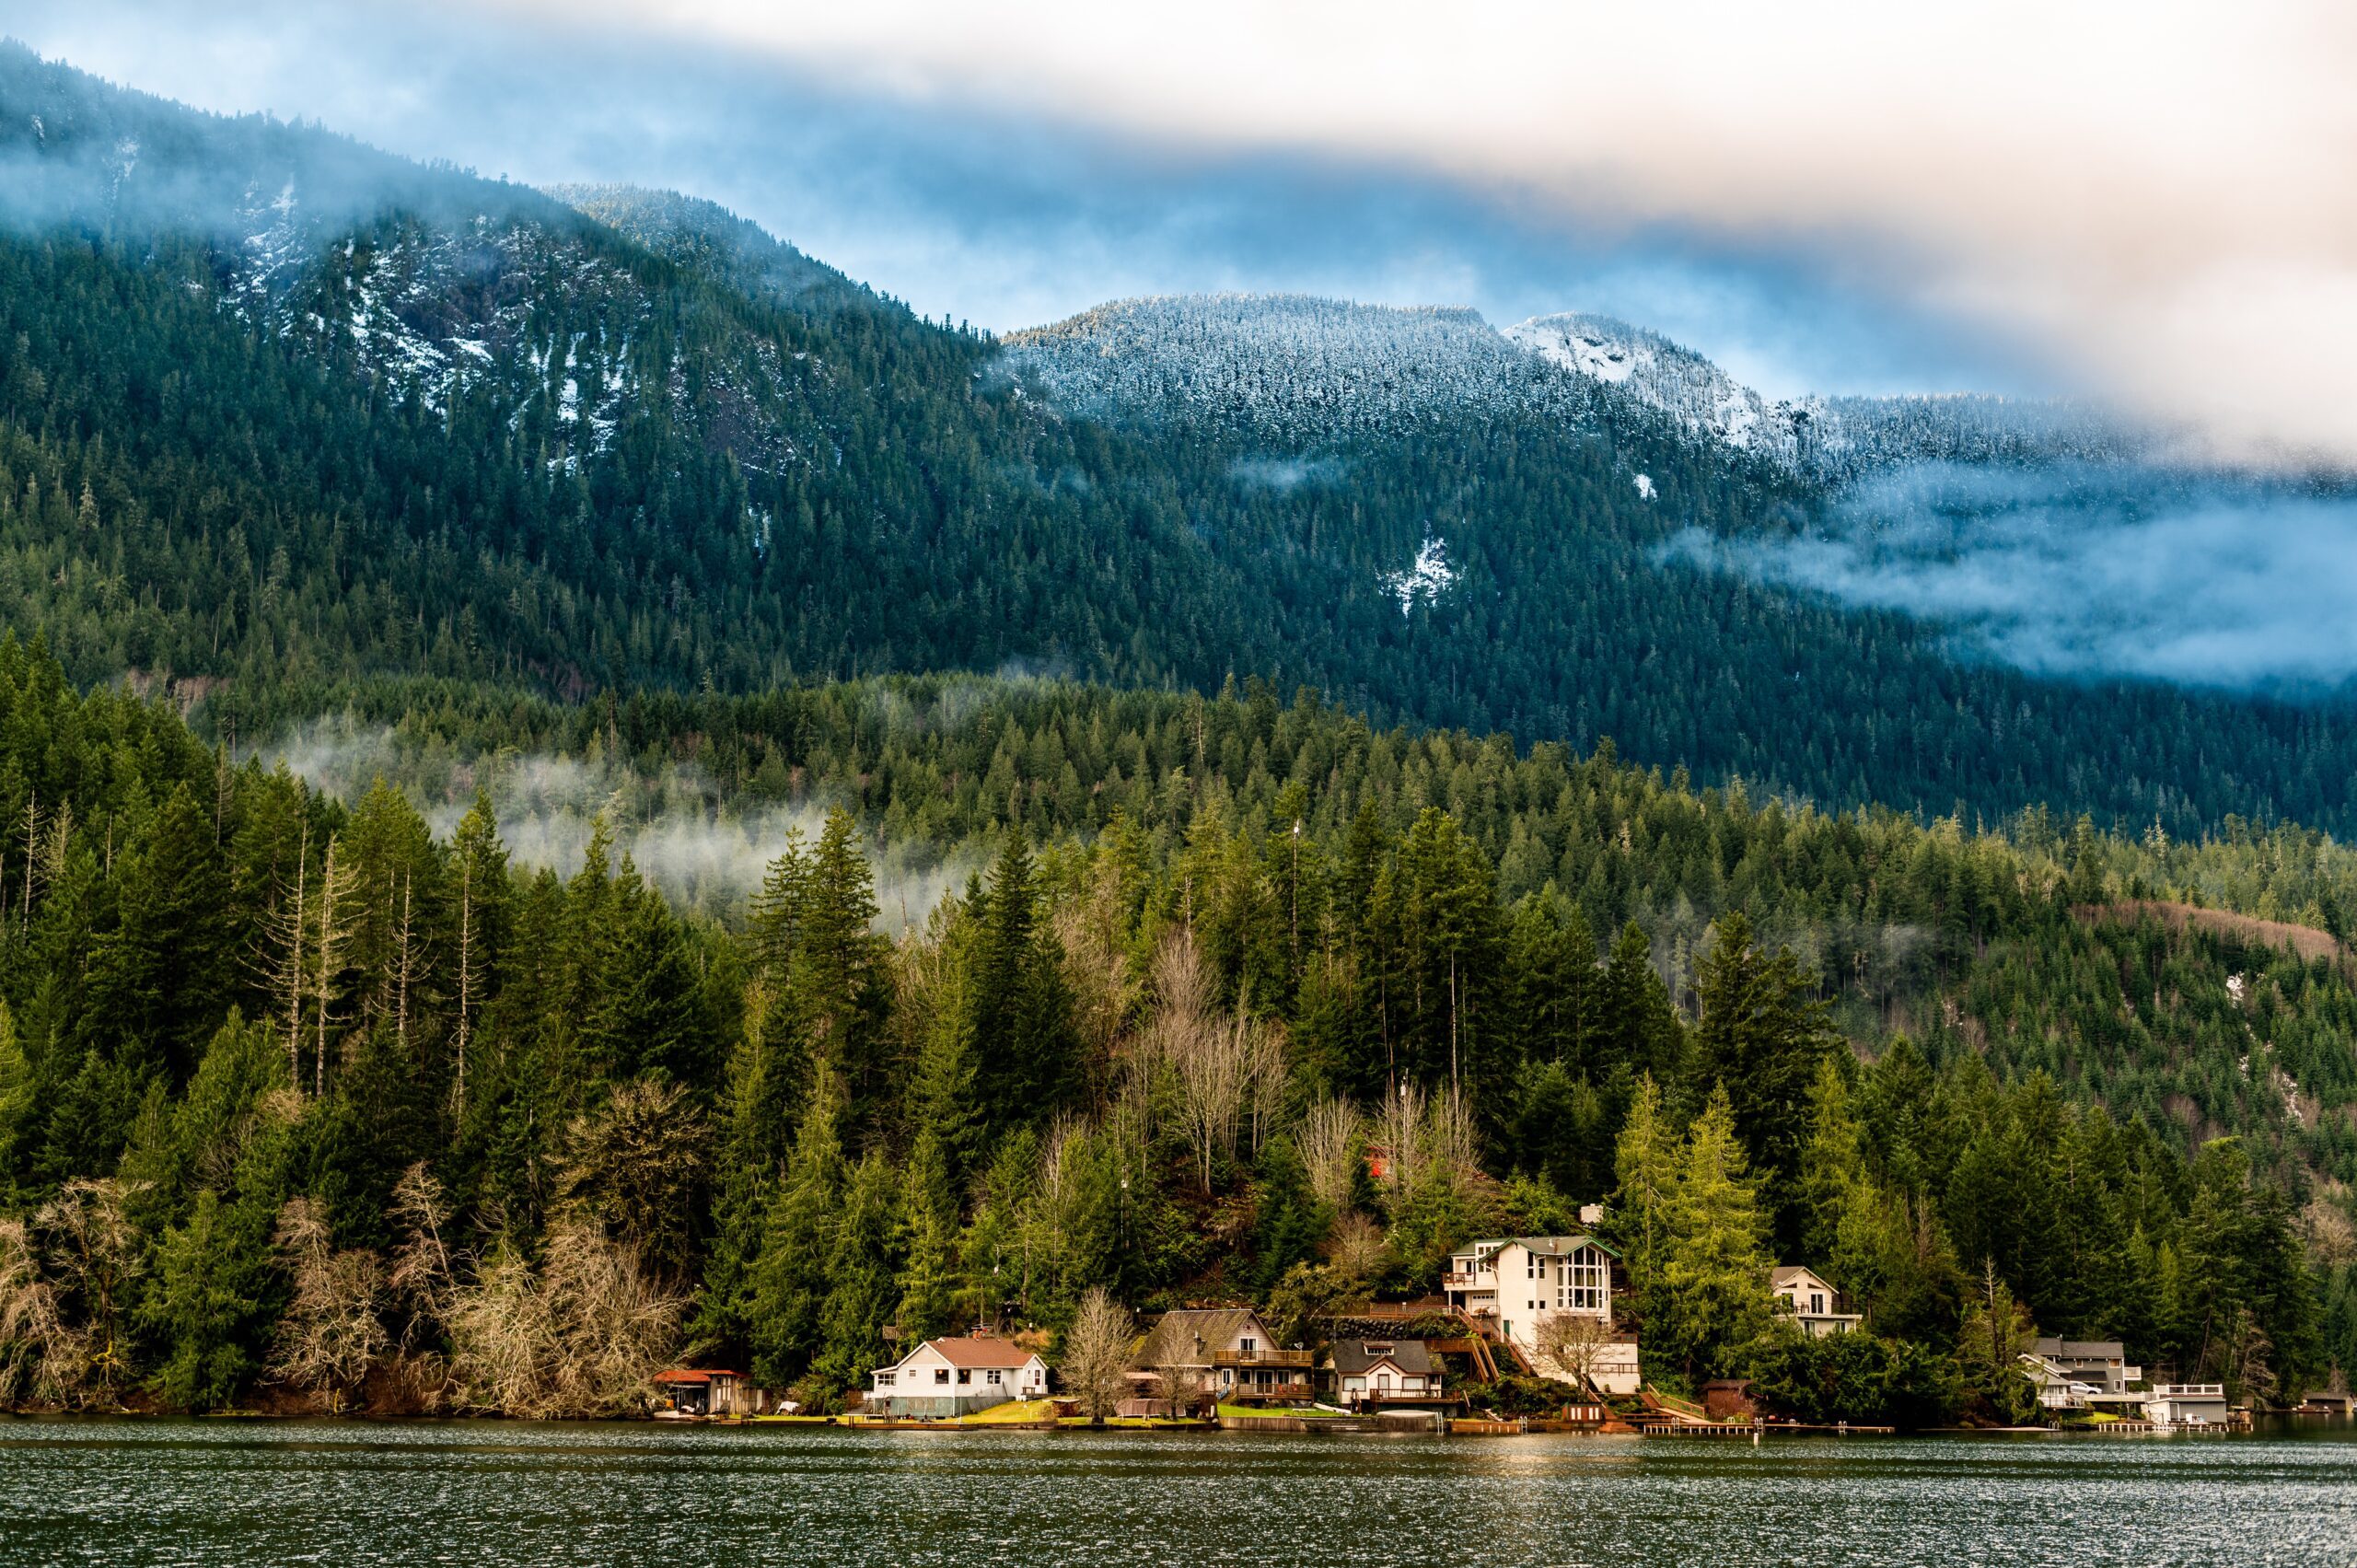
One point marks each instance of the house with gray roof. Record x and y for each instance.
(1385, 1374)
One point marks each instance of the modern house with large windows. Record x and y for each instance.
(1510, 1287)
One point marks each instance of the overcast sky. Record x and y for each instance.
(2155, 202)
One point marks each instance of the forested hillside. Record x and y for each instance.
(299, 1099)
(279, 414)
(467, 659)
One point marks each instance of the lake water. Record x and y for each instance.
(193, 1492)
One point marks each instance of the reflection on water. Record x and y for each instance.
(493, 1493)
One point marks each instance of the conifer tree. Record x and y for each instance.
(1761, 1038)
(929, 1217)
(1645, 1164)
(1712, 1289)
(862, 1268)
(790, 1284)
(202, 1307)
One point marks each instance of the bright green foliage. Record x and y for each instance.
(211, 1273)
(1708, 1292)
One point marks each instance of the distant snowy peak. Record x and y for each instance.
(1291, 362)
(1703, 399)
(1312, 370)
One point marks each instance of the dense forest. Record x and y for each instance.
(577, 788)
(300, 1098)
(279, 414)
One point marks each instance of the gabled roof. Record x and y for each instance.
(680, 1376)
(1353, 1357)
(1545, 1246)
(1189, 1335)
(2081, 1350)
(977, 1353)
(1784, 1274)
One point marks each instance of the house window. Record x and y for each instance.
(991, 1378)
(941, 1374)
(1817, 1303)
(883, 1379)
(964, 1376)
(1245, 1346)
(1591, 1280)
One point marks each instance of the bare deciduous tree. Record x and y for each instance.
(1096, 1354)
(334, 1329)
(1572, 1343)
(1218, 1065)
(1330, 1149)
(1180, 1387)
(581, 1335)
(338, 881)
(1359, 1251)
(40, 1357)
(94, 1256)
(1402, 1126)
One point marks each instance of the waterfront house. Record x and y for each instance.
(1512, 1285)
(2187, 1404)
(707, 1392)
(957, 1376)
(1815, 1305)
(2083, 1375)
(1226, 1351)
(1386, 1374)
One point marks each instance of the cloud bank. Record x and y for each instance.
(2092, 573)
(1010, 214)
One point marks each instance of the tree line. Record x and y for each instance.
(301, 1096)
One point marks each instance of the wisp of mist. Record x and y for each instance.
(697, 848)
(2089, 571)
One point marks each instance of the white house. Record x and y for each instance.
(1515, 1283)
(2187, 1404)
(1814, 1302)
(957, 1376)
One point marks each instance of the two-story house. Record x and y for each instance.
(2083, 1375)
(1226, 1352)
(1816, 1305)
(957, 1377)
(1512, 1285)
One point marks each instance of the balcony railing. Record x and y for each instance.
(1476, 1281)
(1243, 1393)
(1261, 1358)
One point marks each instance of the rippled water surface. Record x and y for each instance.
(467, 1493)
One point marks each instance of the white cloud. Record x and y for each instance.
(2091, 573)
(2160, 190)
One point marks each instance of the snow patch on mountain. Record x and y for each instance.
(1704, 400)
(1426, 578)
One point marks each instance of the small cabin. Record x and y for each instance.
(1377, 1373)
(706, 1392)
